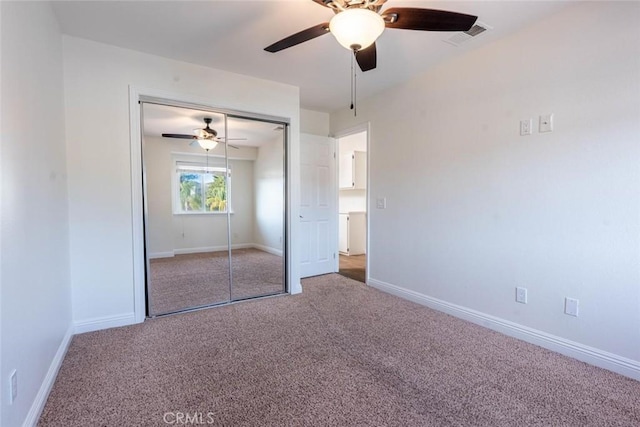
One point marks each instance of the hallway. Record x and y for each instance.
(353, 267)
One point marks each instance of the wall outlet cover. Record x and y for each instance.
(13, 386)
(546, 123)
(571, 306)
(521, 295)
(526, 127)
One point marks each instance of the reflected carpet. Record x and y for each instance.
(194, 280)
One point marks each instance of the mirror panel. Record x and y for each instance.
(257, 259)
(186, 223)
(214, 219)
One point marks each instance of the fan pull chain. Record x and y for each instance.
(355, 89)
(351, 81)
(354, 99)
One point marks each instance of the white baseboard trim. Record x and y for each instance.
(170, 254)
(211, 249)
(106, 322)
(593, 356)
(296, 288)
(268, 249)
(162, 255)
(49, 379)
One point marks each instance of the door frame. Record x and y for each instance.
(138, 95)
(359, 128)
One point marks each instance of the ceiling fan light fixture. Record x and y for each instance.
(356, 29)
(205, 133)
(207, 144)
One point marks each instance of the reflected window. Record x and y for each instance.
(200, 188)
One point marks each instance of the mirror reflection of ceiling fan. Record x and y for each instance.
(358, 23)
(206, 138)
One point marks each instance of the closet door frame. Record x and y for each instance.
(136, 98)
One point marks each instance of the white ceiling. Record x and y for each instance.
(159, 119)
(231, 35)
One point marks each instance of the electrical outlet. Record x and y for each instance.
(13, 386)
(571, 306)
(521, 295)
(525, 127)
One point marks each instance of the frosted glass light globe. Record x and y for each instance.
(356, 29)
(207, 144)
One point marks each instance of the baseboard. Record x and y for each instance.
(49, 379)
(106, 322)
(593, 356)
(268, 249)
(296, 288)
(211, 249)
(204, 249)
(162, 255)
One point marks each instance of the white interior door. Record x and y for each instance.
(318, 224)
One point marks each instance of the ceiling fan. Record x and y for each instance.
(207, 138)
(358, 23)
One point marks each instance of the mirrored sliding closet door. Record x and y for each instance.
(214, 189)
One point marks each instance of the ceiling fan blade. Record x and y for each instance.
(297, 38)
(322, 2)
(412, 18)
(178, 135)
(367, 58)
(233, 146)
(223, 139)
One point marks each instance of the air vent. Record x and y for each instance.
(460, 38)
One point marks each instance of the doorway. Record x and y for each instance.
(352, 204)
(214, 191)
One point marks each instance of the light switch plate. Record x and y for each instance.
(546, 123)
(381, 203)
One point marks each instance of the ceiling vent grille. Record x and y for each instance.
(463, 37)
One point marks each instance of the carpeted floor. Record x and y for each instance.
(193, 280)
(339, 354)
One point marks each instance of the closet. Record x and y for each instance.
(214, 200)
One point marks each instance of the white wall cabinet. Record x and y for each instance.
(353, 170)
(353, 228)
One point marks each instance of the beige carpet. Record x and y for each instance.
(194, 280)
(339, 354)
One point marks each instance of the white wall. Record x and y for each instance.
(36, 292)
(269, 201)
(353, 142)
(352, 201)
(475, 210)
(168, 233)
(314, 122)
(97, 79)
